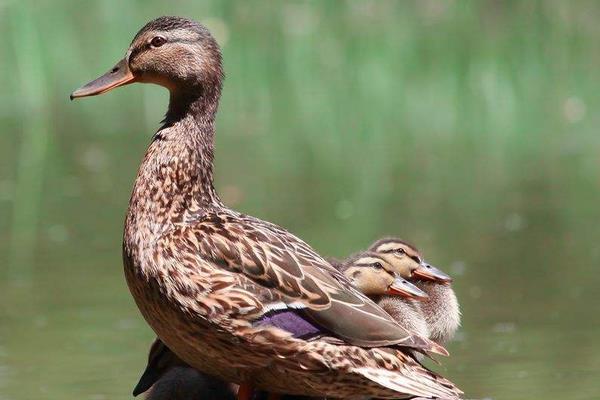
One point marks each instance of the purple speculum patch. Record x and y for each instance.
(291, 321)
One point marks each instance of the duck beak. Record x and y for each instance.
(402, 287)
(428, 272)
(119, 75)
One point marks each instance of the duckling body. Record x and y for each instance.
(215, 284)
(441, 310)
(406, 312)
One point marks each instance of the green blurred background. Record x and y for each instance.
(467, 127)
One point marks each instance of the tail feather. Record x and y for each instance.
(424, 345)
(424, 384)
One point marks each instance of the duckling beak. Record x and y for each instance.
(428, 272)
(402, 287)
(119, 75)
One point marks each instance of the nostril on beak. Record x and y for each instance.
(115, 69)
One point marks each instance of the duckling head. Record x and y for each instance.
(174, 52)
(373, 276)
(406, 260)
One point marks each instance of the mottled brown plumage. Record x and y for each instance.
(368, 272)
(203, 275)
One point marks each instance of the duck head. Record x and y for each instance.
(373, 276)
(407, 262)
(177, 53)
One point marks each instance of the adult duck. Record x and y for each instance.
(232, 295)
(168, 377)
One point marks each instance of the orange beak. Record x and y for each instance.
(430, 273)
(402, 287)
(119, 75)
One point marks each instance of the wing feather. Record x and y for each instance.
(279, 261)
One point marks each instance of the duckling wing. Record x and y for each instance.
(292, 275)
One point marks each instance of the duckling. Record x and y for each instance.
(373, 275)
(441, 309)
(406, 312)
(167, 377)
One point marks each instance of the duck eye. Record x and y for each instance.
(158, 41)
(378, 265)
(400, 251)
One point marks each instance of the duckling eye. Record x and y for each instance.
(400, 251)
(158, 41)
(378, 265)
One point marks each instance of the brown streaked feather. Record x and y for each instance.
(190, 279)
(275, 259)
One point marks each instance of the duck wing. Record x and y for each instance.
(297, 278)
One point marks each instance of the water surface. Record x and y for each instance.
(468, 128)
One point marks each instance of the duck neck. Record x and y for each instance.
(189, 130)
(437, 296)
(175, 179)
